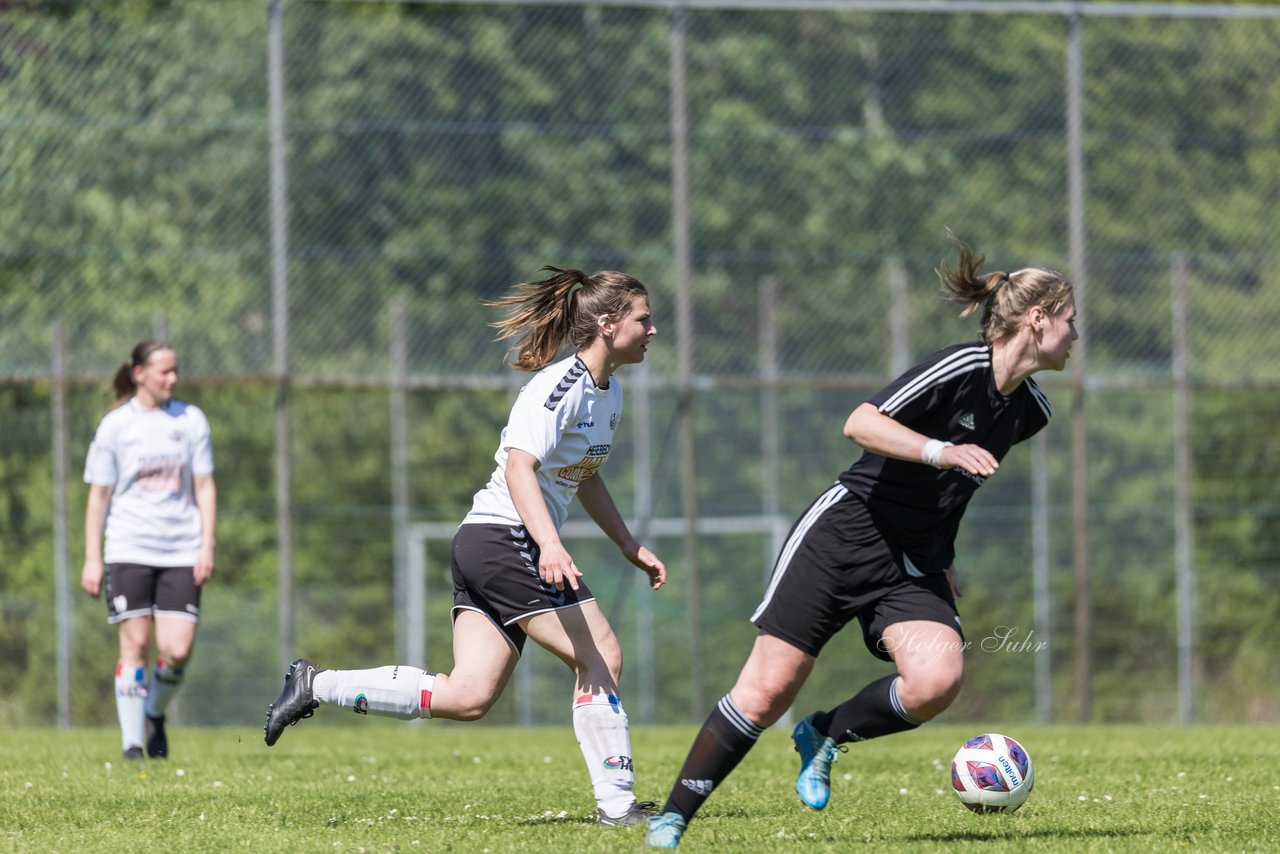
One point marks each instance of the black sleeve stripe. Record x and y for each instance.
(1039, 397)
(575, 372)
(960, 362)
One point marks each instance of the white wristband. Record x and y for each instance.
(932, 452)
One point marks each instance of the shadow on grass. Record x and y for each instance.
(1056, 833)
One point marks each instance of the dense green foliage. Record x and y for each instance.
(437, 154)
(386, 786)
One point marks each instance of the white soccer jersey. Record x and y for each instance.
(149, 457)
(566, 422)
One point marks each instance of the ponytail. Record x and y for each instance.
(123, 383)
(1004, 298)
(565, 306)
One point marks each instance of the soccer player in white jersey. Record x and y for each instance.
(150, 476)
(879, 545)
(513, 578)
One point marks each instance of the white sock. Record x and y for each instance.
(605, 740)
(131, 695)
(395, 691)
(165, 681)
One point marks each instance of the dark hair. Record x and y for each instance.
(1003, 297)
(138, 356)
(567, 305)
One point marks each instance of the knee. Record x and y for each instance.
(601, 669)
(475, 708)
(927, 695)
(613, 661)
(177, 654)
(762, 701)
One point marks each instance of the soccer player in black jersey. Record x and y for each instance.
(879, 544)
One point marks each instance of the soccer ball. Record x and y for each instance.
(992, 773)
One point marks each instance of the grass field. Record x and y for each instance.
(386, 786)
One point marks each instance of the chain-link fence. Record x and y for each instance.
(313, 200)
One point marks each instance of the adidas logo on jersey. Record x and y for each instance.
(966, 421)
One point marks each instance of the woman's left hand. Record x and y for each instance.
(648, 563)
(203, 569)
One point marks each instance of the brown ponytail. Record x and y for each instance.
(1003, 297)
(123, 383)
(567, 305)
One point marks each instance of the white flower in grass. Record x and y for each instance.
(179, 773)
(351, 778)
(106, 765)
(475, 760)
(848, 776)
(217, 784)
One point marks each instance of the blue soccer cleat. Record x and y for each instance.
(665, 830)
(818, 753)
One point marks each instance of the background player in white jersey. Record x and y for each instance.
(512, 576)
(150, 476)
(879, 545)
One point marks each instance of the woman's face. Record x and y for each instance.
(156, 378)
(1056, 333)
(631, 334)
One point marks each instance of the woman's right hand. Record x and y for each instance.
(555, 566)
(92, 575)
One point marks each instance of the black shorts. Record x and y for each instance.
(836, 565)
(134, 590)
(495, 572)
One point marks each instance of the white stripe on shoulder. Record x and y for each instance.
(960, 362)
(1040, 397)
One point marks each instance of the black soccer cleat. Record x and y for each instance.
(157, 741)
(133, 754)
(638, 813)
(295, 701)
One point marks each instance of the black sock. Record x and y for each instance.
(724, 739)
(874, 711)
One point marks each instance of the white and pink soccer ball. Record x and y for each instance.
(992, 773)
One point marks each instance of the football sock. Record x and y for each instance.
(605, 740)
(395, 691)
(725, 738)
(872, 712)
(131, 695)
(165, 681)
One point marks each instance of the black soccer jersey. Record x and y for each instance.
(950, 396)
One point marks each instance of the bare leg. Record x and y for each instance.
(582, 638)
(483, 661)
(131, 681)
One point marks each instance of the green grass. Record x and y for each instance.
(385, 786)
